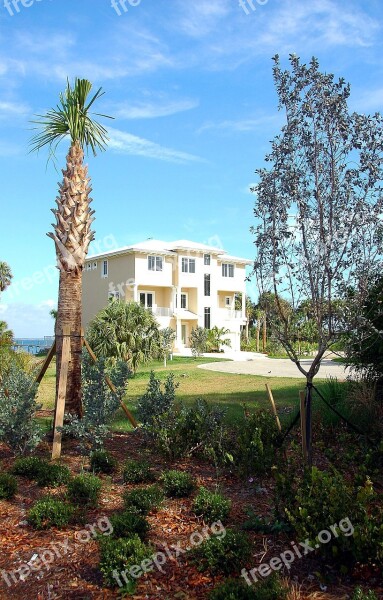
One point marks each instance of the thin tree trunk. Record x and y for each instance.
(69, 313)
(264, 339)
(258, 333)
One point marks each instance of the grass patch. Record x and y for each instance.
(227, 390)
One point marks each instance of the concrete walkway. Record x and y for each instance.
(271, 367)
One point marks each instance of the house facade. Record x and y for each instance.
(185, 284)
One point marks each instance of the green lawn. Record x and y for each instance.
(226, 389)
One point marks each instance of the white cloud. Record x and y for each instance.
(200, 17)
(126, 143)
(151, 110)
(242, 125)
(29, 320)
(368, 100)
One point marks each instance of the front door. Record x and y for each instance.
(183, 334)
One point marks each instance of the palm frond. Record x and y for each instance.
(71, 118)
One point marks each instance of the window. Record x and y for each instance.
(114, 295)
(188, 265)
(227, 270)
(228, 301)
(88, 266)
(94, 265)
(155, 263)
(207, 285)
(146, 299)
(184, 300)
(206, 259)
(104, 268)
(207, 317)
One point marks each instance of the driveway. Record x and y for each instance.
(272, 367)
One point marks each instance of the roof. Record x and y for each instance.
(170, 249)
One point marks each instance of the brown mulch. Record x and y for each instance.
(75, 575)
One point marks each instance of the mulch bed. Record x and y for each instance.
(75, 574)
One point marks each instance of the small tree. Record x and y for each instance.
(5, 275)
(318, 207)
(215, 339)
(198, 341)
(167, 337)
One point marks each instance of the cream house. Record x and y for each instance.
(184, 283)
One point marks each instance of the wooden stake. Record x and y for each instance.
(47, 362)
(111, 385)
(271, 398)
(302, 397)
(60, 403)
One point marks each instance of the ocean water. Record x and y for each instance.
(33, 345)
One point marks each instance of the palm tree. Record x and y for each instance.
(5, 275)
(215, 339)
(127, 331)
(72, 233)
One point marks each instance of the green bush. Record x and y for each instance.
(137, 471)
(129, 523)
(28, 467)
(226, 554)
(156, 401)
(18, 427)
(120, 555)
(84, 490)
(144, 500)
(49, 512)
(177, 484)
(255, 444)
(45, 473)
(102, 461)
(359, 594)
(233, 589)
(8, 486)
(212, 506)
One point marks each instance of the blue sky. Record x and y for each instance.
(189, 83)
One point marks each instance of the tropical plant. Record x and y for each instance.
(72, 119)
(198, 341)
(156, 401)
(125, 330)
(5, 275)
(215, 339)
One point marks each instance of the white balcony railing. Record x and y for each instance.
(162, 311)
(228, 314)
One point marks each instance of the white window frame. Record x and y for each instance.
(227, 270)
(146, 292)
(94, 266)
(207, 259)
(105, 271)
(158, 263)
(186, 295)
(185, 261)
(228, 301)
(88, 266)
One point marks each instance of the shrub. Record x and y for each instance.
(28, 467)
(212, 506)
(232, 589)
(99, 402)
(144, 500)
(137, 471)
(49, 512)
(255, 444)
(8, 486)
(223, 554)
(119, 556)
(177, 484)
(156, 401)
(198, 341)
(359, 594)
(128, 523)
(84, 490)
(46, 474)
(18, 428)
(102, 461)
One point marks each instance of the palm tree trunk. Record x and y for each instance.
(72, 236)
(264, 339)
(258, 332)
(69, 313)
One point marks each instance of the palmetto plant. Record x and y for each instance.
(215, 339)
(5, 275)
(127, 331)
(71, 119)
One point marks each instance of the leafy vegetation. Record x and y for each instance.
(137, 471)
(84, 490)
(212, 506)
(49, 512)
(177, 484)
(223, 554)
(102, 461)
(144, 500)
(8, 486)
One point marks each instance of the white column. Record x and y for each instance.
(135, 292)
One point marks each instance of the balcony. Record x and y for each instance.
(228, 314)
(161, 311)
